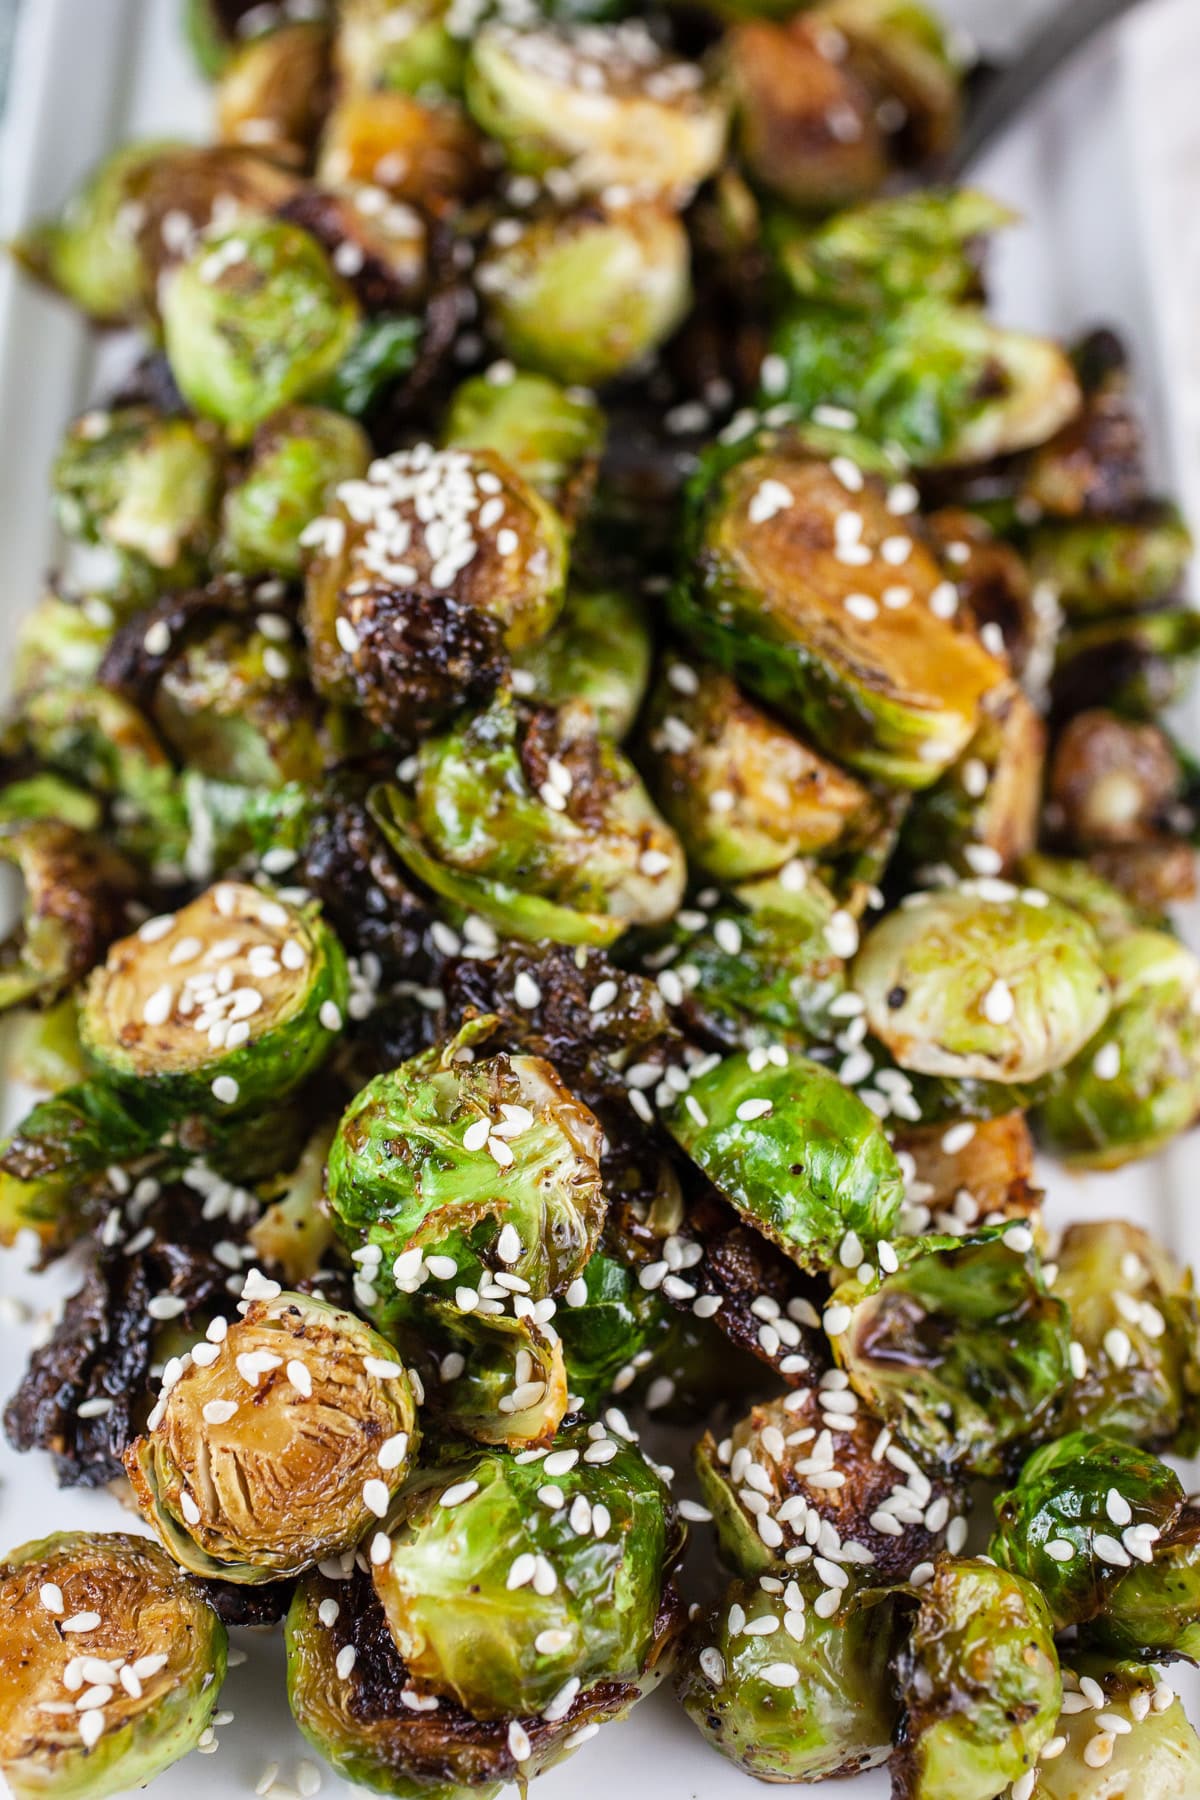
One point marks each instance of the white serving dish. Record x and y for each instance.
(1107, 173)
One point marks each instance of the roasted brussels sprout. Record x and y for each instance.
(584, 295)
(979, 1682)
(405, 45)
(61, 641)
(607, 103)
(423, 150)
(273, 91)
(533, 820)
(256, 1005)
(599, 653)
(499, 1645)
(974, 1171)
(145, 486)
(986, 981)
(1102, 566)
(824, 604)
(982, 816)
(255, 318)
(963, 1350)
(296, 462)
(1134, 1319)
(1126, 1738)
(112, 1663)
(1112, 781)
(276, 1442)
(786, 1692)
(801, 1157)
(743, 793)
(550, 435)
(469, 1174)
(1138, 664)
(295, 1230)
(75, 890)
(890, 251)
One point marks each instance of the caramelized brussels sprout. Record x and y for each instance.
(982, 816)
(296, 461)
(996, 983)
(163, 1017)
(599, 653)
(425, 151)
(145, 486)
(255, 318)
(276, 1443)
(974, 1171)
(1134, 1317)
(552, 436)
(534, 821)
(908, 51)
(1111, 781)
(1138, 664)
(801, 1157)
(489, 1165)
(499, 1645)
(743, 793)
(1149, 1753)
(890, 251)
(405, 45)
(61, 642)
(963, 1350)
(75, 890)
(606, 102)
(940, 382)
(1102, 566)
(786, 1693)
(512, 1388)
(295, 1230)
(839, 625)
(273, 92)
(584, 295)
(112, 1663)
(980, 1684)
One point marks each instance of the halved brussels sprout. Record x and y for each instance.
(1138, 664)
(786, 1693)
(500, 1635)
(273, 91)
(980, 1684)
(974, 1171)
(385, 248)
(1136, 1084)
(512, 1389)
(42, 1050)
(979, 981)
(743, 793)
(75, 890)
(1150, 1753)
(421, 573)
(599, 653)
(939, 381)
(613, 1323)
(422, 150)
(487, 1164)
(584, 295)
(297, 460)
(1095, 466)
(1086, 1510)
(276, 1443)
(61, 641)
(892, 250)
(829, 607)
(1112, 781)
(801, 1157)
(767, 1485)
(147, 487)
(552, 436)
(606, 102)
(983, 813)
(535, 821)
(1134, 1316)
(295, 1230)
(1102, 566)
(111, 1660)
(224, 1005)
(400, 44)
(963, 1351)
(255, 318)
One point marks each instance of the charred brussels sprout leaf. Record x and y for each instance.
(1157, 1756)
(785, 1694)
(149, 1621)
(550, 435)
(75, 893)
(963, 1350)
(150, 1014)
(799, 1155)
(893, 690)
(998, 984)
(501, 1646)
(295, 463)
(599, 653)
(255, 318)
(278, 1444)
(607, 103)
(980, 1684)
(457, 1169)
(582, 296)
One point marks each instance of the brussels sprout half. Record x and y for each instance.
(786, 1693)
(980, 1684)
(296, 461)
(983, 813)
(1098, 567)
(275, 1442)
(497, 1594)
(226, 1004)
(606, 102)
(273, 91)
(801, 1157)
(478, 1175)
(983, 980)
(963, 1351)
(552, 436)
(111, 1662)
(255, 318)
(398, 44)
(75, 890)
(825, 604)
(1150, 1753)
(422, 150)
(599, 653)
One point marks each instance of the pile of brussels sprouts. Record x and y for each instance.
(588, 786)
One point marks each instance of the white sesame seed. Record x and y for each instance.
(81, 1621)
(1060, 1550)
(345, 1660)
(50, 1595)
(519, 1746)
(1118, 1347)
(218, 1412)
(225, 1089)
(460, 1491)
(526, 991)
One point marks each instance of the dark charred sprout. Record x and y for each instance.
(75, 891)
(1138, 664)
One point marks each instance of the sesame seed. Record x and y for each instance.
(1060, 1550)
(1118, 1347)
(344, 1663)
(602, 995)
(1110, 1550)
(50, 1595)
(218, 1412)
(1106, 1064)
(225, 1089)
(712, 1665)
(781, 1674)
(328, 1611)
(330, 1015)
(81, 1621)
(998, 1003)
(1117, 1507)
(300, 1378)
(526, 991)
(519, 1746)
(461, 1490)
(836, 1320)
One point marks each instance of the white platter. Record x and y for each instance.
(1107, 172)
